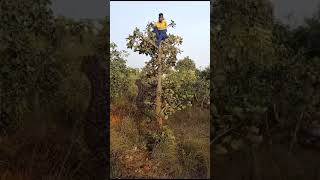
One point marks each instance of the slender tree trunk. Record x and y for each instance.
(159, 89)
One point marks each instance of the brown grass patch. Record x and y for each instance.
(115, 120)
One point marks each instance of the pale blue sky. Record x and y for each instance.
(192, 20)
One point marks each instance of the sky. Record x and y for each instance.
(81, 9)
(98, 9)
(300, 9)
(192, 20)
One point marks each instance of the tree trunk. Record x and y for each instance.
(159, 89)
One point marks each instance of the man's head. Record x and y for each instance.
(160, 17)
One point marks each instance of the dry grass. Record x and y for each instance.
(181, 152)
(124, 138)
(192, 129)
(44, 151)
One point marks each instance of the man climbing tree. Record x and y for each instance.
(160, 28)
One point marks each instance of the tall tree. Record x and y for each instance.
(29, 66)
(244, 53)
(186, 64)
(162, 61)
(118, 72)
(242, 44)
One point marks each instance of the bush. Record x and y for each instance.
(122, 139)
(191, 127)
(194, 158)
(166, 155)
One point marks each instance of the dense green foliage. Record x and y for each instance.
(29, 62)
(43, 92)
(40, 54)
(180, 78)
(159, 65)
(118, 73)
(185, 85)
(185, 64)
(264, 73)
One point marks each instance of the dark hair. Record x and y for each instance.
(160, 14)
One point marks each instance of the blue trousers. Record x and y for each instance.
(160, 35)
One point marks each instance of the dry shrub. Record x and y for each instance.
(123, 107)
(181, 151)
(194, 156)
(191, 128)
(165, 155)
(122, 139)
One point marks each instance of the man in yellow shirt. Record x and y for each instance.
(160, 28)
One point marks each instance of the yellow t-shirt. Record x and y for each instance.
(161, 25)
